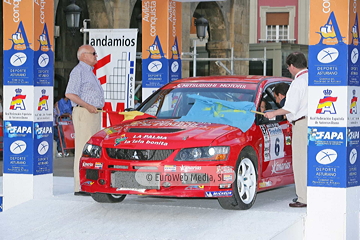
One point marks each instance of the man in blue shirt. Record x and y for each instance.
(65, 107)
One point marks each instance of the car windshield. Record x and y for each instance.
(174, 102)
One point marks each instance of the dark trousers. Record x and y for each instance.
(57, 138)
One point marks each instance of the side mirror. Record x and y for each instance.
(260, 119)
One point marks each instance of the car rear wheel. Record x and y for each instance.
(244, 187)
(107, 198)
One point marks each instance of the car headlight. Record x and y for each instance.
(91, 151)
(203, 154)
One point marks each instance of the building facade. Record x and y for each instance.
(280, 27)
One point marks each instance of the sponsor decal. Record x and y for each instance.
(354, 56)
(278, 168)
(190, 168)
(98, 165)
(43, 60)
(153, 137)
(16, 131)
(224, 169)
(119, 140)
(17, 102)
(353, 103)
(87, 164)
(355, 27)
(287, 140)
(219, 194)
(326, 104)
(213, 85)
(326, 156)
(316, 135)
(353, 114)
(131, 189)
(266, 143)
(196, 187)
(328, 55)
(18, 147)
(43, 101)
(322, 136)
(42, 131)
(174, 67)
(227, 177)
(109, 131)
(170, 168)
(18, 59)
(87, 183)
(154, 66)
(139, 141)
(330, 32)
(353, 136)
(353, 156)
(275, 147)
(265, 184)
(43, 147)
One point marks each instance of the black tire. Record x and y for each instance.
(245, 184)
(107, 198)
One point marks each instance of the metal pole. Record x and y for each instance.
(264, 61)
(232, 61)
(84, 30)
(194, 58)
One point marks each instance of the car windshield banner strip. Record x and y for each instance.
(213, 85)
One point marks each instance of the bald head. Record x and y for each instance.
(87, 54)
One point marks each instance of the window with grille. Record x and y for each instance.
(277, 27)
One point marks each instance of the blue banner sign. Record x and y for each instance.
(43, 148)
(326, 151)
(328, 65)
(18, 139)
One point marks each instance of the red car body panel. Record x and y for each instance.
(99, 175)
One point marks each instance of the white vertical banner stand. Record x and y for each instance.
(28, 101)
(334, 121)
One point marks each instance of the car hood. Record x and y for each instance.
(164, 134)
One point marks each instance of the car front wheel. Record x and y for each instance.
(107, 198)
(244, 187)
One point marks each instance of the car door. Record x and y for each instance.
(276, 147)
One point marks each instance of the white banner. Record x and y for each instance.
(116, 50)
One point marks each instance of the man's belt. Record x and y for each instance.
(293, 122)
(83, 107)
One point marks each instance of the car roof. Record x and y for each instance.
(256, 79)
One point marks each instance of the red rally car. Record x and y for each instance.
(172, 147)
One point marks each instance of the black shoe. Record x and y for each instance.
(297, 205)
(82, 194)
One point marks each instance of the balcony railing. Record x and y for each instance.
(277, 40)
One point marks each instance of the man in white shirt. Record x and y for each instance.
(296, 112)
